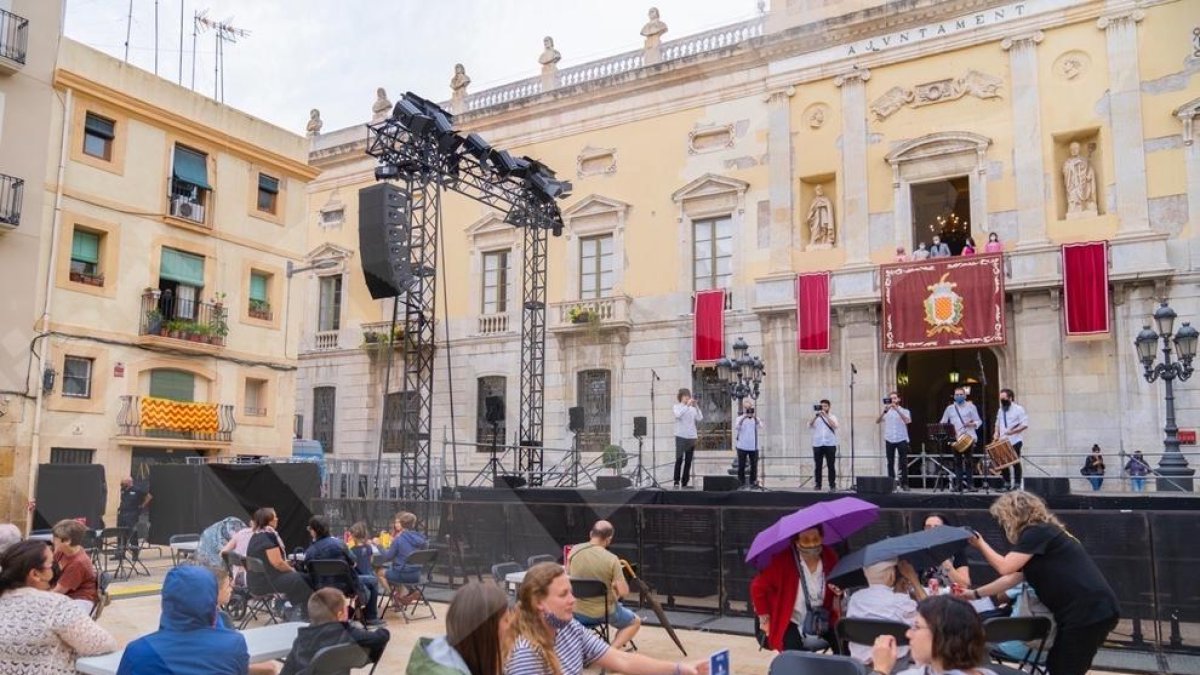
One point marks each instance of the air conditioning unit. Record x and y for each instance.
(186, 208)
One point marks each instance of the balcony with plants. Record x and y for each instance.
(380, 335)
(187, 324)
(596, 314)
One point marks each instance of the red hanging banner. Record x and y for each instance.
(1085, 288)
(812, 313)
(708, 336)
(943, 303)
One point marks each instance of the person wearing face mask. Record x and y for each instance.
(940, 249)
(1011, 423)
(965, 418)
(790, 588)
(895, 420)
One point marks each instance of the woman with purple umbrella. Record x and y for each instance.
(796, 608)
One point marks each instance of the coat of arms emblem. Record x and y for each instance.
(943, 308)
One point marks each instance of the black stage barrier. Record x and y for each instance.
(69, 491)
(190, 497)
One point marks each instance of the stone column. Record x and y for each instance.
(853, 232)
(1125, 115)
(1029, 169)
(779, 181)
(1188, 114)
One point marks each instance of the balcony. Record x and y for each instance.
(14, 39)
(325, 341)
(491, 324)
(182, 324)
(148, 419)
(379, 335)
(11, 191)
(599, 314)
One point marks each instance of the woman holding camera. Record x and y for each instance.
(745, 433)
(796, 608)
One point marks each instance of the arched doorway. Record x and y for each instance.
(927, 380)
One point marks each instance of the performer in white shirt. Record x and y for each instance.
(965, 418)
(745, 435)
(885, 599)
(687, 413)
(824, 442)
(895, 420)
(1011, 423)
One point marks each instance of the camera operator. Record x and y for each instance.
(824, 441)
(895, 420)
(687, 413)
(745, 433)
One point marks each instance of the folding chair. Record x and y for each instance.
(103, 581)
(178, 554)
(114, 544)
(262, 593)
(584, 589)
(1027, 629)
(424, 560)
(807, 663)
(143, 533)
(500, 572)
(337, 574)
(864, 631)
(339, 660)
(535, 559)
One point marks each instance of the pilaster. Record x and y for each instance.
(1028, 164)
(779, 181)
(853, 184)
(1125, 118)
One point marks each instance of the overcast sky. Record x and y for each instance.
(331, 55)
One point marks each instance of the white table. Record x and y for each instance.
(513, 580)
(264, 644)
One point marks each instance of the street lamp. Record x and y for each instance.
(1173, 471)
(293, 270)
(743, 374)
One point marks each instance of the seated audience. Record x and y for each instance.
(954, 570)
(76, 575)
(592, 560)
(478, 624)
(41, 633)
(362, 549)
(549, 641)
(239, 543)
(9, 535)
(330, 626)
(327, 547)
(405, 542)
(880, 602)
(946, 639)
(267, 547)
(189, 638)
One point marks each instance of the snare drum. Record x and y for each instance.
(1002, 455)
(963, 443)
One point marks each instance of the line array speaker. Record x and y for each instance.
(383, 240)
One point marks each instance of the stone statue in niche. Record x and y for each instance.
(653, 29)
(1079, 178)
(314, 123)
(382, 107)
(550, 56)
(821, 226)
(460, 80)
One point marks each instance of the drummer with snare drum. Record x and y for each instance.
(1011, 423)
(965, 418)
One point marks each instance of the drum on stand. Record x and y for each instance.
(1002, 454)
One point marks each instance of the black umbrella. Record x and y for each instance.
(927, 548)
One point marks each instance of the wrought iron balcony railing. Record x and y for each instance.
(150, 417)
(11, 191)
(168, 316)
(14, 36)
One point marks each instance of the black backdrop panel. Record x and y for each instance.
(69, 491)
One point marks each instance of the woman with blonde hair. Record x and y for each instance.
(1060, 571)
(549, 641)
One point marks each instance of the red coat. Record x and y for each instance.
(773, 593)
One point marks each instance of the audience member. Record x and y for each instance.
(9, 535)
(955, 570)
(405, 542)
(968, 247)
(266, 546)
(189, 639)
(920, 252)
(549, 641)
(993, 244)
(239, 543)
(1138, 469)
(783, 598)
(592, 560)
(886, 598)
(940, 249)
(41, 633)
(901, 254)
(1093, 468)
(330, 626)
(76, 575)
(327, 547)
(946, 639)
(478, 624)
(361, 548)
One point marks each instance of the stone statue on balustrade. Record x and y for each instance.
(821, 226)
(382, 107)
(654, 29)
(314, 125)
(458, 89)
(1079, 178)
(550, 56)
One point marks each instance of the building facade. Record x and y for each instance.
(817, 137)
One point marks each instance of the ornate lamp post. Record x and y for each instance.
(744, 374)
(1173, 471)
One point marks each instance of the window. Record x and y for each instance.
(712, 261)
(77, 377)
(401, 408)
(329, 315)
(85, 258)
(495, 282)
(71, 455)
(189, 184)
(98, 134)
(486, 387)
(942, 208)
(176, 385)
(260, 304)
(268, 193)
(181, 280)
(256, 397)
(596, 267)
(324, 402)
(594, 393)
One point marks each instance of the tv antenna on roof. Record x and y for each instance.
(223, 31)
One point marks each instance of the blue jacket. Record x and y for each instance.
(187, 641)
(403, 546)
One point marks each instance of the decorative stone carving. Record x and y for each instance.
(596, 161)
(654, 29)
(709, 138)
(891, 101)
(973, 83)
(821, 227)
(550, 56)
(1079, 178)
(382, 107)
(1072, 64)
(816, 114)
(1187, 114)
(458, 89)
(314, 123)
(977, 84)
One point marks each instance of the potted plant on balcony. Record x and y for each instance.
(579, 315)
(218, 328)
(260, 309)
(174, 328)
(218, 300)
(154, 322)
(614, 457)
(370, 339)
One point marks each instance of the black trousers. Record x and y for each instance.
(296, 587)
(1013, 473)
(828, 453)
(893, 449)
(129, 521)
(792, 640)
(1074, 648)
(743, 457)
(964, 468)
(684, 449)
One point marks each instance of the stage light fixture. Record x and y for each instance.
(387, 171)
(411, 117)
(477, 147)
(553, 189)
(503, 163)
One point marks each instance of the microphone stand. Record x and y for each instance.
(853, 372)
(653, 432)
(985, 461)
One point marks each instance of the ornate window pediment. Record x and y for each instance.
(328, 251)
(1187, 113)
(939, 145)
(709, 185)
(595, 214)
(491, 231)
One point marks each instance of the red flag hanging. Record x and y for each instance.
(708, 336)
(1085, 288)
(812, 313)
(944, 302)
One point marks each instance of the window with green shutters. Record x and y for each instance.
(98, 134)
(191, 167)
(268, 193)
(260, 302)
(182, 267)
(176, 385)
(85, 256)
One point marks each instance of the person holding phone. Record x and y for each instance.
(687, 413)
(895, 420)
(824, 441)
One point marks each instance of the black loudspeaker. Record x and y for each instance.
(639, 427)
(720, 483)
(510, 482)
(1048, 487)
(613, 483)
(576, 419)
(494, 407)
(874, 485)
(383, 240)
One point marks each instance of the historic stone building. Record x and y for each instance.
(818, 137)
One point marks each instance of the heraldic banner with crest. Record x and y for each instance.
(943, 303)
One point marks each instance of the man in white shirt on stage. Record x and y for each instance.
(1011, 423)
(895, 420)
(824, 442)
(687, 413)
(965, 418)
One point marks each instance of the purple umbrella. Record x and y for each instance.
(840, 518)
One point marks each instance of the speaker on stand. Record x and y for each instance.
(575, 425)
(645, 478)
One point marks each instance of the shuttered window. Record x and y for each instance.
(183, 268)
(176, 385)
